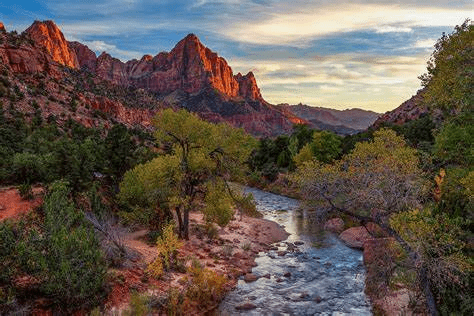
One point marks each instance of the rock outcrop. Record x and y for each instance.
(335, 225)
(48, 35)
(86, 57)
(409, 110)
(190, 76)
(20, 55)
(189, 67)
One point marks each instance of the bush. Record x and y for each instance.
(167, 245)
(207, 287)
(26, 192)
(73, 267)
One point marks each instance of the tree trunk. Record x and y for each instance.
(186, 224)
(180, 222)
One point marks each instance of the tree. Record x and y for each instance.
(324, 147)
(377, 180)
(202, 158)
(449, 79)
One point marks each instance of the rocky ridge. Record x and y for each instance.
(345, 122)
(409, 110)
(190, 76)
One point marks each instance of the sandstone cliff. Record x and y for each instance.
(190, 67)
(48, 35)
(190, 76)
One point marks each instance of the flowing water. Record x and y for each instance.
(311, 273)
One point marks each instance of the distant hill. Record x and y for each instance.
(342, 122)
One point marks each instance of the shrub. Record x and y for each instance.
(73, 267)
(206, 287)
(26, 192)
(167, 246)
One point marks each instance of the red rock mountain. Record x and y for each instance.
(411, 109)
(48, 35)
(190, 76)
(189, 67)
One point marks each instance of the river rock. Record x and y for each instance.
(287, 274)
(299, 242)
(355, 237)
(335, 225)
(250, 277)
(246, 306)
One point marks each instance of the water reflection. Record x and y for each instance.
(301, 277)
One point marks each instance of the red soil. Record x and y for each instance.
(12, 205)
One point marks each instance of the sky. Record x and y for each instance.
(336, 54)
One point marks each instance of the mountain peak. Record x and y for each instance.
(192, 37)
(48, 35)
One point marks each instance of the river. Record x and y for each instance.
(311, 273)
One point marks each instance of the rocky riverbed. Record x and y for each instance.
(309, 273)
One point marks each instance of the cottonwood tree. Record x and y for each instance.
(201, 158)
(375, 181)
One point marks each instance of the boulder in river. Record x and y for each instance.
(250, 277)
(355, 237)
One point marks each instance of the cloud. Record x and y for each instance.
(428, 43)
(101, 46)
(299, 27)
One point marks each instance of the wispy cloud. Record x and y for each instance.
(338, 53)
(297, 27)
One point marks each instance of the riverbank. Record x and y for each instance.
(229, 251)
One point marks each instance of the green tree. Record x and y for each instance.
(72, 266)
(324, 147)
(449, 81)
(203, 156)
(374, 182)
(454, 143)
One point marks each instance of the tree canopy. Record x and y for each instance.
(201, 157)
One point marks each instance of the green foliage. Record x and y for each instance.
(419, 133)
(277, 155)
(7, 250)
(439, 240)
(377, 177)
(456, 194)
(201, 157)
(73, 268)
(324, 147)
(167, 246)
(44, 152)
(449, 81)
(218, 206)
(26, 191)
(62, 253)
(454, 144)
